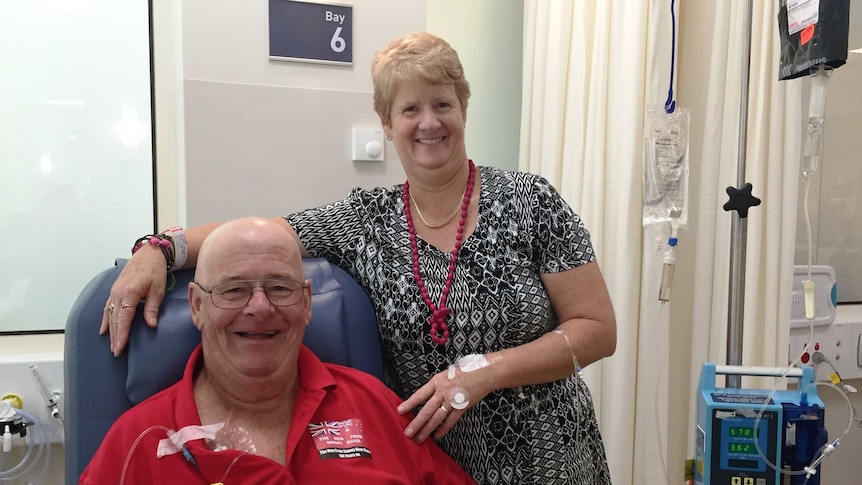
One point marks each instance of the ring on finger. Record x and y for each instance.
(111, 307)
(126, 305)
(443, 407)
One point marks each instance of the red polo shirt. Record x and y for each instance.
(344, 430)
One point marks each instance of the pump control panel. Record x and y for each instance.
(749, 436)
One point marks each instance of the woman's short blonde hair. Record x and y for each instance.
(416, 57)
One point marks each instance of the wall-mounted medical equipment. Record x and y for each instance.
(30, 417)
(816, 328)
(754, 436)
(824, 293)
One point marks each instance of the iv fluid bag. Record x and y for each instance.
(812, 33)
(665, 192)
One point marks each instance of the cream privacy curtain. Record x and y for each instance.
(590, 70)
(583, 101)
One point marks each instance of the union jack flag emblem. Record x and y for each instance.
(327, 428)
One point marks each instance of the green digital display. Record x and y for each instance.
(741, 432)
(744, 448)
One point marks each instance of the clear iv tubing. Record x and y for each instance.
(669, 263)
(827, 449)
(135, 445)
(760, 415)
(39, 433)
(824, 450)
(656, 407)
(167, 431)
(812, 152)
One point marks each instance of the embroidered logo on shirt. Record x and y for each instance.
(339, 439)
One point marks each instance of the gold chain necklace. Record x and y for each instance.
(454, 213)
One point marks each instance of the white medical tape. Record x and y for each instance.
(471, 362)
(459, 398)
(175, 441)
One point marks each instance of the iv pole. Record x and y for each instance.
(740, 200)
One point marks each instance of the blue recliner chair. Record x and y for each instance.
(100, 387)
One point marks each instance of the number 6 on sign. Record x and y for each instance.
(337, 42)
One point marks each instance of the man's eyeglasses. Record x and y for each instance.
(236, 294)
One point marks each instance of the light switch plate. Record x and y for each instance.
(367, 145)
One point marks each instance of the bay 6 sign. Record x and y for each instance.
(311, 32)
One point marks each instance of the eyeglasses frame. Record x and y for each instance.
(304, 285)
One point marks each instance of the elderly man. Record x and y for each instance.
(256, 406)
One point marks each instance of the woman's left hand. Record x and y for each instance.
(438, 413)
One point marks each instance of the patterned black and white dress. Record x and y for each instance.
(540, 434)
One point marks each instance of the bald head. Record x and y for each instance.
(247, 238)
(253, 346)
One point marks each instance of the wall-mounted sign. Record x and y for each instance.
(311, 32)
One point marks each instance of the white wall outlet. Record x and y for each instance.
(840, 345)
(367, 145)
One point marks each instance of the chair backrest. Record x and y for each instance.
(100, 387)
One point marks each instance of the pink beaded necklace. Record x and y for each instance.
(439, 329)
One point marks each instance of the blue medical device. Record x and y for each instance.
(789, 432)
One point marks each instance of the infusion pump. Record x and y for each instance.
(744, 436)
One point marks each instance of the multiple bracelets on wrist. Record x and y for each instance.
(171, 242)
(161, 241)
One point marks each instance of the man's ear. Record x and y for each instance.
(306, 300)
(195, 304)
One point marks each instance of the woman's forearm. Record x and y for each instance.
(549, 357)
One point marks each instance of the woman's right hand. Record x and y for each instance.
(143, 278)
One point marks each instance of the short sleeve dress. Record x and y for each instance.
(543, 434)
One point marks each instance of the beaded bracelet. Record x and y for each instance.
(161, 241)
